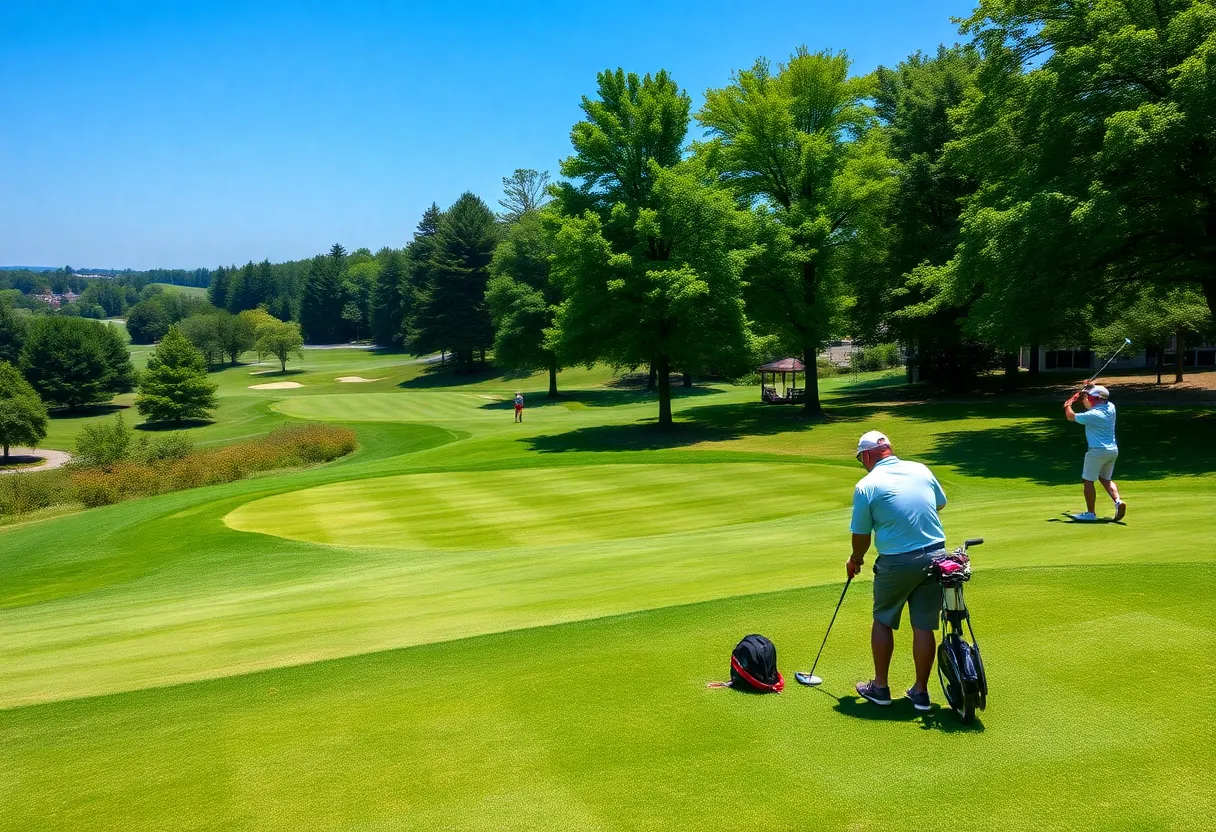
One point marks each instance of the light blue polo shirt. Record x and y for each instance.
(1099, 424)
(898, 501)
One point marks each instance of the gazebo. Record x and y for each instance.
(791, 393)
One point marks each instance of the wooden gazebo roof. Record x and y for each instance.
(785, 365)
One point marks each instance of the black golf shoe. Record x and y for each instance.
(920, 699)
(871, 691)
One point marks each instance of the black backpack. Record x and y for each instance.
(753, 665)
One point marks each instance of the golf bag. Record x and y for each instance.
(753, 664)
(959, 666)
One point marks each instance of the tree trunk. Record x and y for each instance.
(1160, 361)
(553, 379)
(6, 452)
(663, 369)
(1034, 360)
(1011, 369)
(1181, 344)
(443, 357)
(283, 364)
(687, 380)
(811, 406)
(483, 356)
(651, 380)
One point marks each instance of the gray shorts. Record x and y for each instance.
(904, 579)
(1099, 464)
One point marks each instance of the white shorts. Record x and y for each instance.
(1099, 464)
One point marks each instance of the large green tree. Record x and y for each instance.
(418, 257)
(388, 299)
(73, 361)
(282, 339)
(524, 192)
(23, 418)
(12, 332)
(801, 143)
(522, 298)
(175, 385)
(682, 308)
(324, 296)
(452, 311)
(902, 295)
(1095, 136)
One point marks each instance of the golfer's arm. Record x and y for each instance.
(861, 545)
(1068, 411)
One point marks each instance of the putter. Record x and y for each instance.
(1127, 342)
(810, 679)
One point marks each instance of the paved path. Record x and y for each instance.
(50, 459)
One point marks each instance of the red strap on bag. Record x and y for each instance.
(776, 687)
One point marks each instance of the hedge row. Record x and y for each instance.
(95, 485)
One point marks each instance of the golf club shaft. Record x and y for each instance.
(825, 635)
(1107, 364)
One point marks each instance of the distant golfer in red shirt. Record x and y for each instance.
(519, 407)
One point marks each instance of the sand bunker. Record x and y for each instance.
(356, 379)
(276, 385)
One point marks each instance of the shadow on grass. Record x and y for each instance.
(901, 710)
(448, 375)
(294, 371)
(184, 424)
(86, 411)
(579, 399)
(1153, 444)
(711, 423)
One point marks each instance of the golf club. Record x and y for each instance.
(1127, 342)
(810, 678)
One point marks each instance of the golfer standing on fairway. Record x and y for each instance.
(898, 502)
(1099, 421)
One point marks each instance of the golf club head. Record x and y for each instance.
(807, 679)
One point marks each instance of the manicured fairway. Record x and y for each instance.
(473, 624)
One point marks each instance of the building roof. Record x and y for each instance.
(785, 365)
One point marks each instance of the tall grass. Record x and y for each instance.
(98, 485)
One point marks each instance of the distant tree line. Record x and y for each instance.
(1051, 181)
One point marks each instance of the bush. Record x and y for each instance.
(165, 448)
(876, 357)
(168, 463)
(104, 444)
(24, 493)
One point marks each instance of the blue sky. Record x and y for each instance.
(185, 134)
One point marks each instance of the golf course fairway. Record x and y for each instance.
(474, 624)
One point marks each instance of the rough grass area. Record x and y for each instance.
(97, 485)
(473, 624)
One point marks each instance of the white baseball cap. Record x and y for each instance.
(871, 440)
(1100, 392)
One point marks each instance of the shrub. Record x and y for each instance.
(168, 463)
(876, 357)
(24, 493)
(103, 444)
(171, 446)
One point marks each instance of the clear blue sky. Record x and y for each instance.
(186, 134)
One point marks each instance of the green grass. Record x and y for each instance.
(473, 624)
(195, 291)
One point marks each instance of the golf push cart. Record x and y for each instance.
(959, 666)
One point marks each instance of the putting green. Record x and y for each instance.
(537, 507)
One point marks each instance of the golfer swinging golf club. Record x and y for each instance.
(898, 502)
(1099, 422)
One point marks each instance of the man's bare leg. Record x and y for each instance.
(924, 650)
(1111, 489)
(882, 643)
(1091, 496)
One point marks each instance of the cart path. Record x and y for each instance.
(50, 459)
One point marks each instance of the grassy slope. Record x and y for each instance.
(196, 291)
(598, 723)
